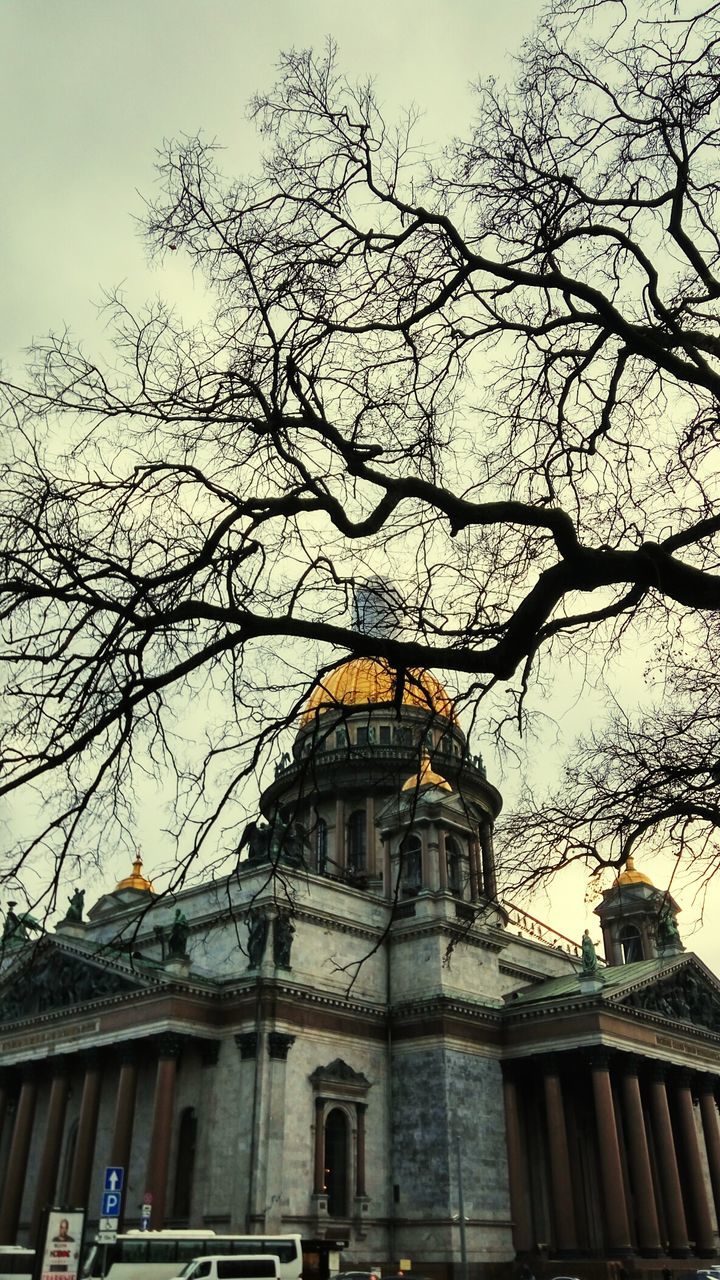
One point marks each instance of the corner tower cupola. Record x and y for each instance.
(638, 920)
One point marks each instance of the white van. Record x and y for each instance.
(233, 1266)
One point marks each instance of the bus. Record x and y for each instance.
(16, 1262)
(161, 1255)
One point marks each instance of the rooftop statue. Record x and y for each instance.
(76, 902)
(589, 955)
(178, 936)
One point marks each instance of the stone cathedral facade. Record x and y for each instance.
(350, 1036)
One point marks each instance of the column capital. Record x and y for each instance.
(706, 1083)
(248, 1042)
(89, 1059)
(169, 1044)
(279, 1045)
(60, 1064)
(551, 1064)
(601, 1059)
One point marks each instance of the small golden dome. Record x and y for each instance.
(427, 777)
(630, 876)
(362, 681)
(137, 880)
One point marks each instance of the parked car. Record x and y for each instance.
(232, 1266)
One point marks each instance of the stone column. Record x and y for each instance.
(50, 1156)
(646, 1215)
(473, 869)
(370, 859)
(360, 1108)
(4, 1100)
(339, 855)
(708, 1111)
(442, 860)
(81, 1171)
(279, 1045)
(244, 1139)
(169, 1049)
(17, 1159)
(319, 1149)
(488, 860)
(700, 1209)
(517, 1165)
(121, 1142)
(562, 1191)
(616, 1214)
(667, 1166)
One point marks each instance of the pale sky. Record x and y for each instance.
(88, 91)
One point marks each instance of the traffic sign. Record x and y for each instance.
(108, 1224)
(106, 1237)
(110, 1206)
(146, 1210)
(114, 1176)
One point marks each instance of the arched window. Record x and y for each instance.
(357, 841)
(321, 846)
(454, 866)
(411, 874)
(630, 943)
(337, 1163)
(185, 1168)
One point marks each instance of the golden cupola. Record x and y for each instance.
(373, 681)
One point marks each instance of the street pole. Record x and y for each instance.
(461, 1208)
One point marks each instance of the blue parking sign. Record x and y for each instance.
(110, 1204)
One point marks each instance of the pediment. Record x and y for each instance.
(49, 977)
(687, 992)
(339, 1074)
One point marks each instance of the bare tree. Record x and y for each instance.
(491, 378)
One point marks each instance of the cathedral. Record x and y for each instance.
(354, 1037)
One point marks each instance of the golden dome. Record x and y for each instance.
(427, 777)
(362, 681)
(137, 880)
(630, 876)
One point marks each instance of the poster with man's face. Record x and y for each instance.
(63, 1240)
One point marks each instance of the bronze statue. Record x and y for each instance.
(667, 931)
(75, 908)
(282, 941)
(178, 936)
(589, 956)
(257, 937)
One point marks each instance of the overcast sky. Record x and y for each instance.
(88, 91)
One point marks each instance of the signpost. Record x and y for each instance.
(111, 1204)
(146, 1211)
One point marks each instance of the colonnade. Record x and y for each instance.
(19, 1092)
(625, 1132)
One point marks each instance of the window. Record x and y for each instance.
(357, 841)
(362, 736)
(337, 1151)
(453, 860)
(385, 734)
(187, 1138)
(404, 736)
(630, 943)
(411, 872)
(321, 846)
